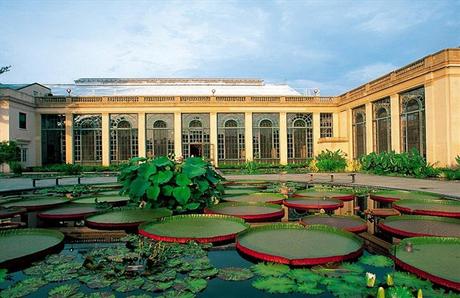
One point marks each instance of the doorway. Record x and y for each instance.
(196, 150)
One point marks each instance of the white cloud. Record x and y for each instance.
(369, 72)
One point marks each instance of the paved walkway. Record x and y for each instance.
(446, 188)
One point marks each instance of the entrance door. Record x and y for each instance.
(196, 150)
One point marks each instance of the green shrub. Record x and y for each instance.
(163, 182)
(451, 174)
(331, 161)
(9, 152)
(406, 163)
(457, 159)
(15, 167)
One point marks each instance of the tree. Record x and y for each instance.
(4, 69)
(9, 152)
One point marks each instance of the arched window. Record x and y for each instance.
(195, 135)
(123, 137)
(300, 137)
(266, 137)
(159, 134)
(382, 125)
(87, 139)
(230, 138)
(359, 131)
(413, 132)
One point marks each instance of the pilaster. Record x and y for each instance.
(369, 128)
(395, 123)
(248, 136)
(283, 138)
(316, 133)
(141, 134)
(213, 137)
(105, 139)
(177, 134)
(69, 138)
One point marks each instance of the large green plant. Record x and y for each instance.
(9, 152)
(163, 182)
(406, 163)
(331, 161)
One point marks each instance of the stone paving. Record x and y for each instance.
(446, 188)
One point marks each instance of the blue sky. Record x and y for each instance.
(333, 45)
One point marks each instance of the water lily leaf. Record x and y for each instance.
(176, 262)
(399, 292)
(3, 273)
(140, 296)
(270, 269)
(101, 295)
(23, 288)
(177, 294)
(274, 285)
(202, 263)
(128, 285)
(309, 289)
(235, 274)
(194, 285)
(65, 291)
(96, 281)
(376, 261)
(357, 280)
(59, 259)
(151, 286)
(164, 276)
(404, 279)
(304, 276)
(204, 273)
(340, 289)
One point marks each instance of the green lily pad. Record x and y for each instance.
(404, 279)
(194, 285)
(399, 292)
(270, 269)
(96, 281)
(376, 261)
(151, 286)
(275, 285)
(101, 295)
(166, 275)
(177, 294)
(23, 288)
(65, 291)
(128, 285)
(208, 273)
(304, 276)
(235, 274)
(309, 289)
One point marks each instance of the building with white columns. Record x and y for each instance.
(104, 121)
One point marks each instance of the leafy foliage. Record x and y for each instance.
(304, 276)
(23, 288)
(404, 279)
(376, 261)
(281, 285)
(65, 291)
(405, 163)
(9, 152)
(235, 274)
(270, 269)
(163, 182)
(309, 289)
(399, 292)
(331, 161)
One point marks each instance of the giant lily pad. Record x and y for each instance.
(416, 225)
(205, 228)
(235, 274)
(125, 218)
(113, 199)
(390, 196)
(18, 245)
(248, 211)
(36, 203)
(348, 223)
(69, 212)
(257, 197)
(444, 208)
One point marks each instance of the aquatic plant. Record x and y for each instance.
(151, 286)
(340, 289)
(399, 292)
(270, 269)
(101, 295)
(275, 285)
(304, 276)
(235, 274)
(404, 279)
(376, 261)
(128, 285)
(162, 182)
(65, 291)
(204, 273)
(309, 289)
(352, 267)
(23, 288)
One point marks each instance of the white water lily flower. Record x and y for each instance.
(370, 279)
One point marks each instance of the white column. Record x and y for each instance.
(369, 128)
(69, 138)
(177, 134)
(248, 136)
(395, 123)
(105, 139)
(283, 139)
(141, 134)
(213, 137)
(316, 133)
(335, 125)
(38, 140)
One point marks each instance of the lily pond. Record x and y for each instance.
(268, 240)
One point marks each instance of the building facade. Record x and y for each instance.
(107, 121)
